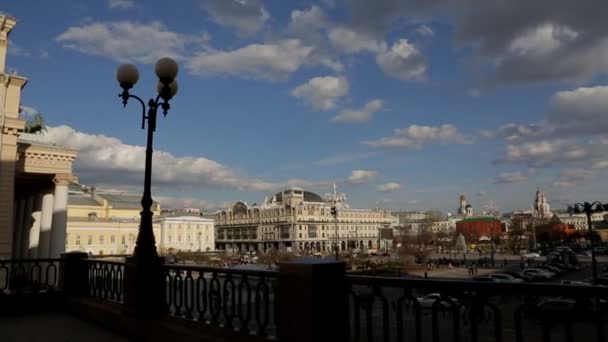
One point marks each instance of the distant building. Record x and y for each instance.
(103, 224)
(299, 220)
(186, 233)
(410, 216)
(475, 228)
(542, 209)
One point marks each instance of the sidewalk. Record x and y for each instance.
(454, 273)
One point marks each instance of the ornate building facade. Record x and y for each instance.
(299, 220)
(34, 176)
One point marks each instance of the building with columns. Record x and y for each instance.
(186, 233)
(34, 176)
(295, 219)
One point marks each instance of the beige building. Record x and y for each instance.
(108, 223)
(34, 176)
(186, 233)
(102, 224)
(299, 220)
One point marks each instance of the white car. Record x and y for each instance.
(427, 301)
(505, 278)
(531, 255)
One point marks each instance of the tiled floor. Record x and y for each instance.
(53, 327)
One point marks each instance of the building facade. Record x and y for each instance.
(299, 220)
(186, 233)
(34, 176)
(104, 224)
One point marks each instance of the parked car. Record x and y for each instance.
(553, 269)
(538, 273)
(575, 282)
(487, 279)
(505, 278)
(531, 255)
(518, 275)
(600, 250)
(427, 301)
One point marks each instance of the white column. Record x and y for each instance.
(34, 230)
(46, 221)
(60, 215)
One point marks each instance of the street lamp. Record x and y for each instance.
(127, 75)
(144, 292)
(588, 209)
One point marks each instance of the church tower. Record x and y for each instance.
(462, 209)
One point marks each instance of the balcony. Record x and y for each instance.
(306, 300)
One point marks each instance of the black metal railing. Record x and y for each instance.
(106, 279)
(29, 276)
(396, 309)
(239, 300)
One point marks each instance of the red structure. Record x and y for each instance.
(474, 228)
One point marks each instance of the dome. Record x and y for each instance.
(308, 196)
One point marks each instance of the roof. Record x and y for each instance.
(122, 201)
(308, 196)
(77, 199)
(480, 218)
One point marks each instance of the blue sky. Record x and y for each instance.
(404, 104)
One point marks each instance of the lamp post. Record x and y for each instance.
(144, 292)
(588, 209)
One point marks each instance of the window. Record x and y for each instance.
(124, 240)
(112, 239)
(169, 238)
(90, 240)
(78, 239)
(101, 239)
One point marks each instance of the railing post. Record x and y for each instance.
(144, 288)
(312, 301)
(74, 274)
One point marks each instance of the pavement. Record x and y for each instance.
(53, 327)
(454, 273)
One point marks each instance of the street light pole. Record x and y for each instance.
(144, 291)
(588, 209)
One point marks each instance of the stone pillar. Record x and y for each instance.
(46, 221)
(319, 312)
(25, 227)
(17, 229)
(60, 215)
(33, 233)
(74, 274)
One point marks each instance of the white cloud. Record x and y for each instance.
(600, 164)
(548, 152)
(425, 30)
(28, 112)
(513, 177)
(124, 4)
(571, 177)
(415, 136)
(246, 16)
(359, 115)
(126, 41)
(384, 201)
(350, 41)
(107, 160)
(322, 92)
(189, 202)
(361, 176)
(16, 50)
(403, 61)
(344, 158)
(388, 187)
(270, 61)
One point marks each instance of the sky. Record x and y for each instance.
(403, 104)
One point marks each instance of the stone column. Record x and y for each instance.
(18, 227)
(34, 230)
(26, 224)
(60, 215)
(46, 221)
(319, 312)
